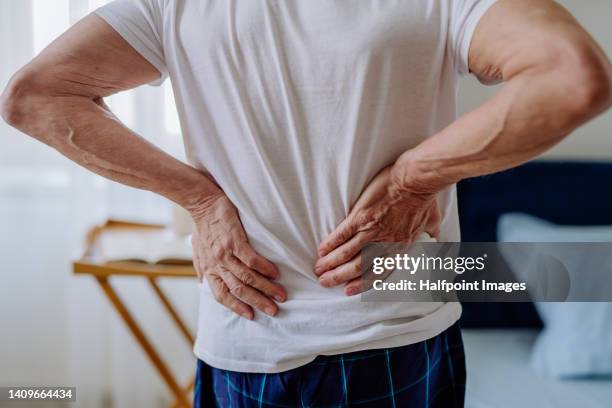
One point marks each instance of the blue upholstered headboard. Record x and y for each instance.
(571, 193)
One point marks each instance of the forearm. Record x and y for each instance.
(531, 113)
(57, 98)
(84, 130)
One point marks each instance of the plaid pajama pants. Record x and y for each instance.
(428, 374)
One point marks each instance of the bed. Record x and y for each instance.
(499, 375)
(499, 336)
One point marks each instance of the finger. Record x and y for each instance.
(342, 274)
(354, 287)
(255, 280)
(433, 222)
(247, 294)
(339, 236)
(363, 283)
(197, 267)
(433, 231)
(196, 260)
(222, 295)
(360, 285)
(253, 260)
(342, 254)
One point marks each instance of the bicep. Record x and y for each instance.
(91, 60)
(518, 35)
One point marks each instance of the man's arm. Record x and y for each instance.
(556, 78)
(57, 99)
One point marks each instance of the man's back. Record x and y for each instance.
(293, 107)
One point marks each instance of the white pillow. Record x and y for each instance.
(577, 337)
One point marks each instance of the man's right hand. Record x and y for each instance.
(58, 99)
(239, 278)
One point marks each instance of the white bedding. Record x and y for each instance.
(499, 376)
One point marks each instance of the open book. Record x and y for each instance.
(156, 246)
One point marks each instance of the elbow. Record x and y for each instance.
(9, 104)
(16, 99)
(587, 76)
(595, 93)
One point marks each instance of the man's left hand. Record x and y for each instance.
(380, 215)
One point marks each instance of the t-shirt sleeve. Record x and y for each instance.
(464, 17)
(139, 22)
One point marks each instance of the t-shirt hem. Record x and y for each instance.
(451, 317)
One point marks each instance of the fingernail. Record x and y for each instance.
(279, 298)
(270, 311)
(324, 282)
(350, 291)
(246, 315)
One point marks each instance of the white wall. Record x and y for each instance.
(594, 140)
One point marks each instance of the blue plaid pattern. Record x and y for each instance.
(428, 374)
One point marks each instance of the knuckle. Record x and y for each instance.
(247, 278)
(369, 234)
(218, 252)
(345, 253)
(361, 218)
(250, 261)
(238, 290)
(221, 293)
(226, 242)
(245, 257)
(345, 234)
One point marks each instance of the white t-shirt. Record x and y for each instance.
(292, 107)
